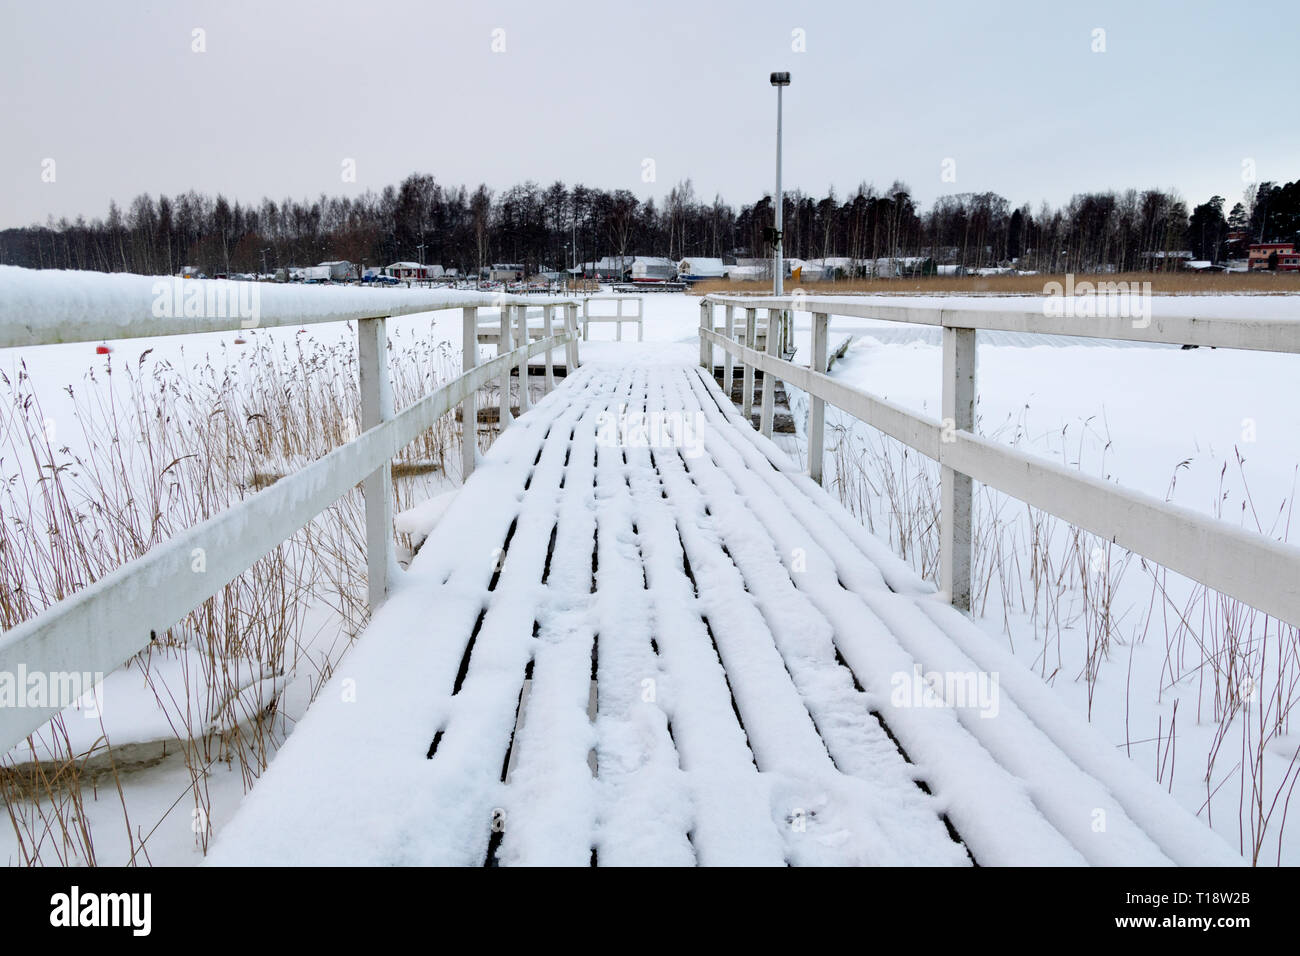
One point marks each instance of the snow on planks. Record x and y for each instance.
(678, 653)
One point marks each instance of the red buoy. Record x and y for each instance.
(102, 350)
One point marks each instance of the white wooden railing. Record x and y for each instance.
(100, 627)
(618, 317)
(1248, 566)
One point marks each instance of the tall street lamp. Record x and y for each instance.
(780, 81)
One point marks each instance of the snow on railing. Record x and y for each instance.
(100, 627)
(1245, 565)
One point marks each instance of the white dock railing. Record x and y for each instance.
(100, 627)
(618, 317)
(1245, 565)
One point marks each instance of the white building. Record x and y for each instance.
(694, 268)
(412, 271)
(505, 272)
(652, 269)
(340, 270)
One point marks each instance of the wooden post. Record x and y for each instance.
(706, 322)
(618, 323)
(751, 336)
(586, 317)
(767, 410)
(504, 415)
(469, 407)
(376, 390)
(522, 338)
(548, 329)
(728, 360)
(958, 413)
(817, 406)
(640, 319)
(571, 350)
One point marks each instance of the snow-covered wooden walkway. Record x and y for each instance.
(682, 650)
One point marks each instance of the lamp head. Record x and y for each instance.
(780, 79)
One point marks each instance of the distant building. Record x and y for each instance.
(696, 268)
(830, 268)
(1167, 260)
(505, 272)
(652, 269)
(340, 270)
(1236, 244)
(1277, 256)
(412, 271)
(608, 268)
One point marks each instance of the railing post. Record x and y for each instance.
(504, 415)
(751, 337)
(728, 360)
(586, 317)
(618, 323)
(817, 406)
(469, 407)
(376, 392)
(571, 357)
(769, 380)
(525, 396)
(706, 322)
(548, 329)
(958, 413)
(640, 319)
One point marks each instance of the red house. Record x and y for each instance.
(1281, 256)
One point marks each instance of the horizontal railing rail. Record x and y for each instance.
(45, 307)
(1217, 331)
(618, 317)
(97, 629)
(1251, 567)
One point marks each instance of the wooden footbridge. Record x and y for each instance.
(642, 634)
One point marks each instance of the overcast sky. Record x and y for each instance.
(281, 95)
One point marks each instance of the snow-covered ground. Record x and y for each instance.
(1142, 416)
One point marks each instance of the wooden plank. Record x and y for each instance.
(647, 802)
(551, 802)
(769, 551)
(466, 797)
(392, 697)
(732, 823)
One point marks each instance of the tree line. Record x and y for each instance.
(556, 226)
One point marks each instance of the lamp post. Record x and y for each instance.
(780, 81)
